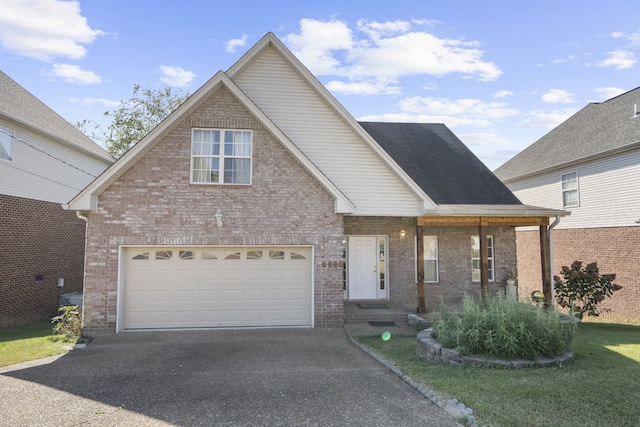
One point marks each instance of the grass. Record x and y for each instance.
(601, 386)
(25, 343)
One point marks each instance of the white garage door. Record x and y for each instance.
(205, 287)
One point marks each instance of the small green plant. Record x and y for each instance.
(68, 322)
(581, 289)
(502, 327)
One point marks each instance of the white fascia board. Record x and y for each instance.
(496, 211)
(271, 40)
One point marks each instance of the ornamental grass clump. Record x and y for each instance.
(503, 328)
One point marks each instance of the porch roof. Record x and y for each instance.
(496, 215)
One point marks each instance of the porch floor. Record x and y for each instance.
(375, 310)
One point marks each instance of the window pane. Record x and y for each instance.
(430, 271)
(237, 171)
(6, 144)
(570, 198)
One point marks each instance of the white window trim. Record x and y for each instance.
(490, 259)
(221, 157)
(436, 259)
(576, 189)
(4, 132)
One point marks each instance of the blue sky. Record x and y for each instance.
(500, 74)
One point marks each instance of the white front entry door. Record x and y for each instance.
(363, 268)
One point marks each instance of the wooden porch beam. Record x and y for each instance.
(420, 269)
(489, 221)
(545, 262)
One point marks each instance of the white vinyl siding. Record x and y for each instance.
(321, 134)
(609, 192)
(47, 170)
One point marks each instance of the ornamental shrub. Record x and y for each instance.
(504, 328)
(581, 289)
(68, 322)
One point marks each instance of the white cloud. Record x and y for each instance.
(609, 92)
(176, 76)
(546, 119)
(74, 74)
(45, 29)
(558, 96)
(92, 101)
(483, 138)
(363, 88)
(234, 44)
(620, 60)
(471, 108)
(385, 51)
(502, 94)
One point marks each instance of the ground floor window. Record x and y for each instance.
(475, 258)
(430, 251)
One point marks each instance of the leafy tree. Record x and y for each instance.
(134, 118)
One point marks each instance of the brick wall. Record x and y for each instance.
(454, 254)
(40, 242)
(454, 245)
(153, 203)
(616, 250)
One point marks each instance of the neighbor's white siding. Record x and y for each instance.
(609, 191)
(325, 138)
(46, 170)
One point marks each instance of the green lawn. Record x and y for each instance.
(25, 343)
(601, 386)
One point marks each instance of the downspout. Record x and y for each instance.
(553, 282)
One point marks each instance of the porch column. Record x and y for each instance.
(420, 269)
(545, 262)
(484, 261)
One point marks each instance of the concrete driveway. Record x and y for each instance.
(276, 377)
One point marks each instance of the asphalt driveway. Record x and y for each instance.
(276, 377)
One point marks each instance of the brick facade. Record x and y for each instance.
(616, 250)
(454, 247)
(153, 203)
(40, 243)
(454, 256)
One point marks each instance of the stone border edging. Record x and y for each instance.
(454, 408)
(433, 351)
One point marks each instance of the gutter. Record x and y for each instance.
(553, 283)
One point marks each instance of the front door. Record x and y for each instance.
(363, 268)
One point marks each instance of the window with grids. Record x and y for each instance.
(570, 195)
(476, 261)
(430, 251)
(220, 156)
(6, 144)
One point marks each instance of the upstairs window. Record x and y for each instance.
(221, 156)
(570, 195)
(6, 144)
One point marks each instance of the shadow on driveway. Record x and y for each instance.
(204, 378)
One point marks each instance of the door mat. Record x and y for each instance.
(382, 324)
(376, 306)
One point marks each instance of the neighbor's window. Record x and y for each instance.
(475, 258)
(6, 143)
(570, 190)
(430, 244)
(221, 156)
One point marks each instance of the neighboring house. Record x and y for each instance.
(261, 202)
(589, 165)
(44, 162)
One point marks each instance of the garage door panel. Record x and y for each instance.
(217, 287)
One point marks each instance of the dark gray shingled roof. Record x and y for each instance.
(440, 163)
(597, 129)
(16, 103)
